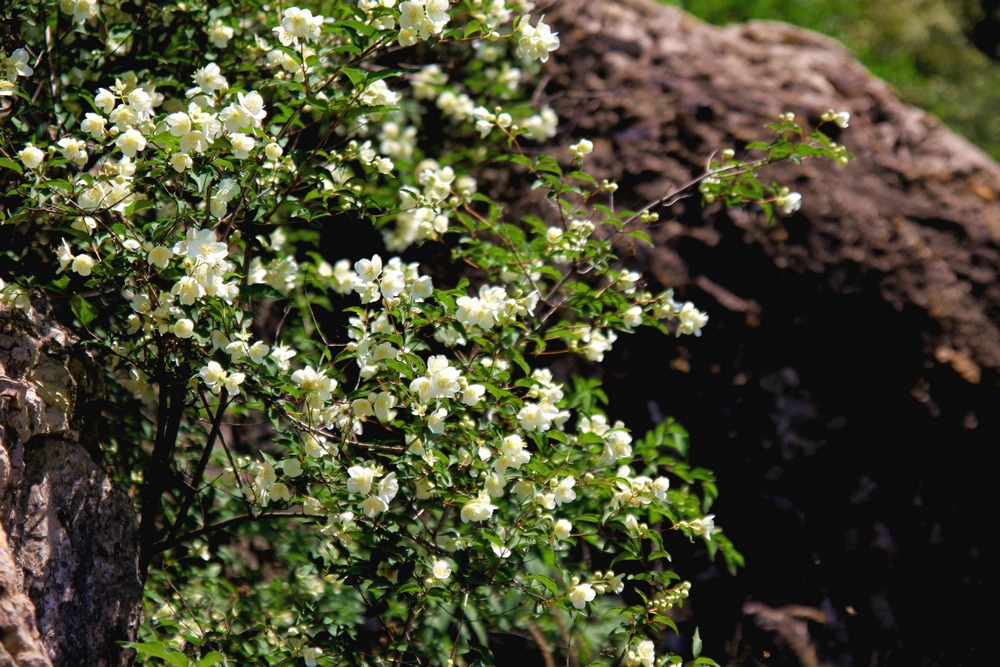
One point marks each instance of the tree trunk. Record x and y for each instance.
(73, 536)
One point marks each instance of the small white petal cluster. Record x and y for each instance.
(80, 9)
(542, 125)
(421, 19)
(638, 491)
(486, 120)
(393, 282)
(643, 654)
(317, 386)
(491, 308)
(689, 319)
(788, 202)
(219, 34)
(377, 94)
(298, 24)
(841, 119)
(11, 67)
(443, 381)
(581, 148)
(216, 378)
(536, 42)
(617, 439)
(513, 454)
(593, 343)
(478, 509)
(361, 480)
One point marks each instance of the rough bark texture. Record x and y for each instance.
(846, 388)
(72, 534)
(20, 642)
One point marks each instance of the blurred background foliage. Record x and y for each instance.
(939, 55)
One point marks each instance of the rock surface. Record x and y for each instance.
(846, 388)
(72, 534)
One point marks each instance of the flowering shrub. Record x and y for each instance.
(383, 458)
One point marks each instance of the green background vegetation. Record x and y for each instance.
(919, 46)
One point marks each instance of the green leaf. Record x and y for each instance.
(643, 236)
(212, 658)
(545, 581)
(696, 643)
(83, 309)
(260, 289)
(158, 650)
(10, 164)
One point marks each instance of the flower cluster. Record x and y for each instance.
(418, 435)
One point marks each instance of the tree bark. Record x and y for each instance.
(72, 534)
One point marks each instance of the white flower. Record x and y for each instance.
(368, 270)
(74, 150)
(272, 151)
(80, 9)
(179, 123)
(388, 487)
(258, 351)
(644, 654)
(160, 256)
(581, 148)
(279, 491)
(361, 478)
(213, 374)
(209, 79)
(283, 355)
(373, 505)
(472, 394)
(298, 23)
(253, 103)
(220, 34)
(703, 526)
(292, 467)
(93, 124)
(436, 421)
(31, 156)
(232, 383)
(581, 594)
(184, 328)
(564, 492)
(242, 145)
(188, 290)
(82, 264)
(202, 246)
(513, 454)
(536, 42)
(392, 284)
(377, 94)
(309, 656)
(537, 416)
(633, 316)
(131, 142)
(789, 202)
(180, 162)
(691, 320)
(562, 529)
(441, 569)
(382, 405)
(16, 65)
(194, 141)
(478, 509)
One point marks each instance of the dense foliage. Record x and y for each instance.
(386, 458)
